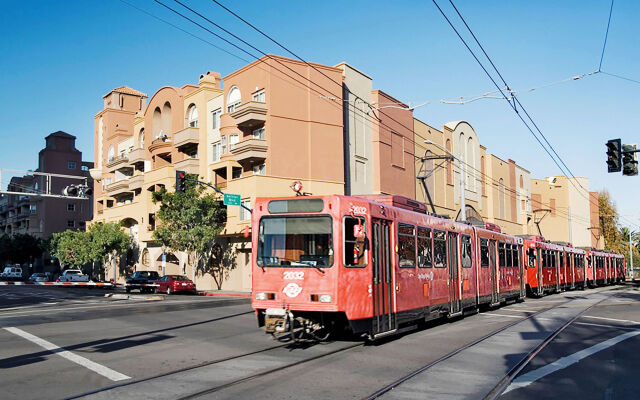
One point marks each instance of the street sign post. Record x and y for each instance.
(231, 199)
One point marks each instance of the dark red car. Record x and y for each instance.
(170, 284)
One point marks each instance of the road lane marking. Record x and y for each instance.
(85, 362)
(606, 326)
(612, 319)
(564, 362)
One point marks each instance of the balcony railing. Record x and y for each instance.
(137, 156)
(250, 150)
(189, 165)
(135, 182)
(250, 114)
(118, 187)
(121, 161)
(187, 136)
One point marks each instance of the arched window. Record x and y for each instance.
(111, 154)
(141, 139)
(471, 161)
(449, 166)
(166, 119)
(233, 99)
(157, 122)
(192, 116)
(501, 196)
(482, 177)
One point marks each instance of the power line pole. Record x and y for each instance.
(631, 256)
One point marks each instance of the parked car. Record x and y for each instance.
(170, 284)
(73, 275)
(140, 278)
(39, 277)
(11, 273)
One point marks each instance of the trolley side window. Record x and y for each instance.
(502, 256)
(465, 247)
(425, 248)
(407, 245)
(484, 253)
(439, 248)
(509, 252)
(355, 241)
(518, 256)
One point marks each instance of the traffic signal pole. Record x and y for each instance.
(181, 177)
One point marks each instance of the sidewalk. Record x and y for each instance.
(224, 293)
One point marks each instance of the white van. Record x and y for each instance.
(11, 273)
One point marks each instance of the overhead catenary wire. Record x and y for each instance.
(515, 103)
(606, 35)
(368, 117)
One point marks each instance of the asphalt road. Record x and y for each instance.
(62, 342)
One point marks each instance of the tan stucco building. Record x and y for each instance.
(279, 120)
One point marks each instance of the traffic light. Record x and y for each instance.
(614, 156)
(181, 181)
(71, 191)
(629, 160)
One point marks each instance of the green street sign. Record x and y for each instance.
(231, 199)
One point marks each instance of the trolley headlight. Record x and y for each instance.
(265, 296)
(322, 298)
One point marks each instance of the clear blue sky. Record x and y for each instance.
(59, 58)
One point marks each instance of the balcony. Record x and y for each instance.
(250, 115)
(135, 182)
(118, 187)
(160, 146)
(137, 156)
(118, 162)
(188, 165)
(250, 150)
(187, 137)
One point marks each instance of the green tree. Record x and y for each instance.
(106, 242)
(189, 222)
(609, 223)
(25, 247)
(71, 248)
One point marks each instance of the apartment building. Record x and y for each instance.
(566, 211)
(268, 127)
(42, 216)
(495, 190)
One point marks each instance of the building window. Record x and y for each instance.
(236, 173)
(233, 99)
(259, 169)
(223, 145)
(71, 207)
(141, 139)
(259, 133)
(215, 155)
(233, 140)
(71, 165)
(32, 208)
(244, 214)
(215, 119)
(259, 97)
(192, 116)
(71, 223)
(84, 168)
(111, 154)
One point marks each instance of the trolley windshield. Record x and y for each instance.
(295, 241)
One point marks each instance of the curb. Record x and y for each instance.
(246, 295)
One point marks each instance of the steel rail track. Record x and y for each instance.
(420, 370)
(176, 371)
(267, 372)
(513, 372)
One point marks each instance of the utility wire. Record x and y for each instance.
(184, 31)
(606, 35)
(621, 77)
